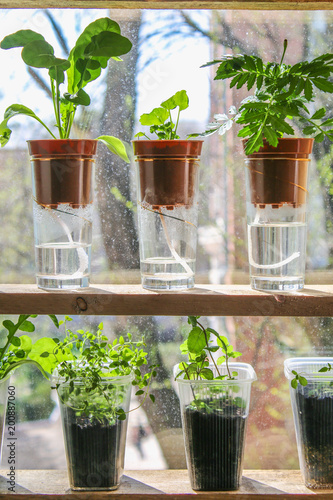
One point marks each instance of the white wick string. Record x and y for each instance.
(83, 257)
(292, 257)
(173, 251)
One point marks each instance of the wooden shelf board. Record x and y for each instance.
(170, 4)
(162, 484)
(205, 300)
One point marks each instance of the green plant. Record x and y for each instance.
(282, 94)
(100, 41)
(199, 350)
(89, 359)
(300, 379)
(16, 350)
(160, 119)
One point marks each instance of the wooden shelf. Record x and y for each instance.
(170, 4)
(205, 300)
(162, 484)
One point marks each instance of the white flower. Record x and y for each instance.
(232, 110)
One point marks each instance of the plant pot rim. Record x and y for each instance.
(304, 363)
(246, 368)
(149, 141)
(117, 380)
(290, 145)
(62, 140)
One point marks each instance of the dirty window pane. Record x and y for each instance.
(166, 60)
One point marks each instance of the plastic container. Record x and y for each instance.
(312, 407)
(214, 417)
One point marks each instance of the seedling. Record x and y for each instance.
(100, 41)
(160, 119)
(199, 349)
(280, 98)
(299, 379)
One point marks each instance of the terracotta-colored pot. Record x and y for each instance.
(62, 171)
(167, 171)
(279, 175)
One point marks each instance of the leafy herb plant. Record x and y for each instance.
(83, 361)
(300, 379)
(281, 98)
(16, 349)
(199, 350)
(100, 41)
(160, 119)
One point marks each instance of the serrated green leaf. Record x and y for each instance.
(320, 113)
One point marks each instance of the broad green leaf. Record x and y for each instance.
(179, 99)
(206, 374)
(13, 110)
(27, 326)
(20, 39)
(25, 343)
(74, 74)
(38, 54)
(45, 346)
(57, 72)
(107, 44)
(196, 340)
(8, 324)
(157, 116)
(293, 383)
(16, 341)
(115, 145)
(302, 380)
(81, 97)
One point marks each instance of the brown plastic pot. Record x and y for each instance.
(167, 171)
(62, 171)
(279, 175)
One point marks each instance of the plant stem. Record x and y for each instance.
(210, 354)
(11, 335)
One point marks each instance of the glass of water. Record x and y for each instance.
(276, 182)
(63, 186)
(167, 186)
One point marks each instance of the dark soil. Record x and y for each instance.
(95, 452)
(315, 414)
(215, 445)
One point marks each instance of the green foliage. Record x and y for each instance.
(199, 349)
(16, 351)
(299, 379)
(83, 361)
(160, 119)
(100, 41)
(281, 95)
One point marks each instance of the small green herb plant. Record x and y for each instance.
(83, 360)
(160, 119)
(199, 350)
(300, 379)
(100, 41)
(16, 350)
(281, 97)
